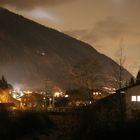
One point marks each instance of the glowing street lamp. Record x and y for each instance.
(66, 96)
(57, 94)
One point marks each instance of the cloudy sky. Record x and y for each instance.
(105, 24)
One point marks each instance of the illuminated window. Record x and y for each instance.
(133, 98)
(96, 93)
(138, 98)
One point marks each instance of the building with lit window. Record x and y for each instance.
(125, 101)
(34, 101)
(132, 99)
(98, 94)
(6, 100)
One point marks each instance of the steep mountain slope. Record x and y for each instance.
(30, 54)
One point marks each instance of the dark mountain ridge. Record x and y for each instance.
(32, 53)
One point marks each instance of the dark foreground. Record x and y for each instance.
(86, 124)
(65, 127)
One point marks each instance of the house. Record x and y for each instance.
(6, 99)
(78, 97)
(132, 101)
(98, 94)
(132, 97)
(125, 101)
(34, 101)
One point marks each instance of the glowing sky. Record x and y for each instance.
(101, 23)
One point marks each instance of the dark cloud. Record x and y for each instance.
(28, 4)
(108, 28)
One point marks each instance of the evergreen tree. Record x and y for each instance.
(4, 84)
(138, 78)
(132, 82)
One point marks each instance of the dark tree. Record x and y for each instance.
(132, 82)
(138, 78)
(4, 84)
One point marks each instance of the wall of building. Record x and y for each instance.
(133, 101)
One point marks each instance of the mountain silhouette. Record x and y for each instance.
(31, 54)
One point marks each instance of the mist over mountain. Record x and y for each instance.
(31, 53)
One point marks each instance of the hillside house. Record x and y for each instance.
(98, 94)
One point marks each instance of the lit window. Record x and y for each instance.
(138, 98)
(133, 98)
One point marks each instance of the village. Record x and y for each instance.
(113, 110)
(127, 97)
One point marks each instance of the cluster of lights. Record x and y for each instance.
(17, 94)
(96, 93)
(27, 91)
(60, 94)
(110, 90)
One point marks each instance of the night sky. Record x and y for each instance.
(101, 23)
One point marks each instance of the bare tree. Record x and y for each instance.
(118, 71)
(120, 92)
(121, 63)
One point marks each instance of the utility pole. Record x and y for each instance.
(53, 101)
